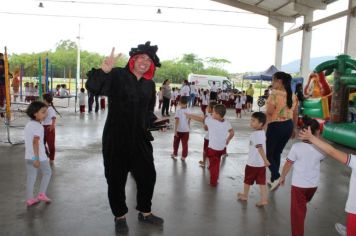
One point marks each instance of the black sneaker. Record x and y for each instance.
(121, 225)
(150, 219)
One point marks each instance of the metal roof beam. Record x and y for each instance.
(309, 25)
(313, 4)
(257, 10)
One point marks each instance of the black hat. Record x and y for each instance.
(146, 49)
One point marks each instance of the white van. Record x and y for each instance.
(206, 81)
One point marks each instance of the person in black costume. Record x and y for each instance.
(126, 140)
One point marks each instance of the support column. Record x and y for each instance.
(279, 25)
(306, 46)
(350, 36)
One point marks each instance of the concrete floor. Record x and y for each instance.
(182, 196)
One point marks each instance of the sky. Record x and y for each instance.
(246, 40)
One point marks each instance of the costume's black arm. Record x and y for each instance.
(151, 106)
(99, 82)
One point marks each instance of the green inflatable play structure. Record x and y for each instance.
(338, 129)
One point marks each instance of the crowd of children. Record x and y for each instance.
(304, 157)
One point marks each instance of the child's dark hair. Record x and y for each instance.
(212, 104)
(49, 98)
(312, 123)
(82, 90)
(220, 109)
(260, 116)
(33, 108)
(183, 100)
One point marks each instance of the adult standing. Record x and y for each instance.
(126, 140)
(249, 98)
(166, 94)
(213, 92)
(192, 95)
(282, 114)
(185, 90)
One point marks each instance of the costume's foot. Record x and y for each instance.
(241, 197)
(150, 219)
(121, 225)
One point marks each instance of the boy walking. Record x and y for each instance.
(255, 170)
(220, 134)
(181, 129)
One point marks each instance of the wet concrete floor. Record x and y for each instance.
(182, 195)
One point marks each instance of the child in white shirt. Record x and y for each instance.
(220, 134)
(255, 170)
(35, 154)
(181, 129)
(49, 124)
(204, 102)
(305, 159)
(82, 97)
(238, 105)
(346, 159)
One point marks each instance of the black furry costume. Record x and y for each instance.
(126, 141)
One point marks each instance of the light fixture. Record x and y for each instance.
(40, 5)
(159, 11)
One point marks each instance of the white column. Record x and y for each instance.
(306, 45)
(279, 25)
(350, 36)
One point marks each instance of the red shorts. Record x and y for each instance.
(238, 110)
(255, 174)
(173, 103)
(206, 144)
(351, 224)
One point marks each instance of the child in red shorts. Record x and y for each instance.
(255, 170)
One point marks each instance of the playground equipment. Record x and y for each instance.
(338, 129)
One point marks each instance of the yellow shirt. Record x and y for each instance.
(278, 100)
(250, 92)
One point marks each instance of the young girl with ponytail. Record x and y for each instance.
(49, 125)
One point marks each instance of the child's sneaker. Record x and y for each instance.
(174, 156)
(32, 201)
(224, 155)
(341, 229)
(202, 163)
(183, 158)
(42, 197)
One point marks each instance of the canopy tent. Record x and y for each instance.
(267, 76)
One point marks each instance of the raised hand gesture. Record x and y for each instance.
(110, 61)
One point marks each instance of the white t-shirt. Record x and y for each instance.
(63, 92)
(243, 99)
(174, 95)
(351, 199)
(238, 104)
(257, 139)
(192, 89)
(185, 91)
(218, 131)
(50, 114)
(208, 116)
(34, 129)
(205, 99)
(183, 125)
(213, 88)
(306, 164)
(82, 97)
